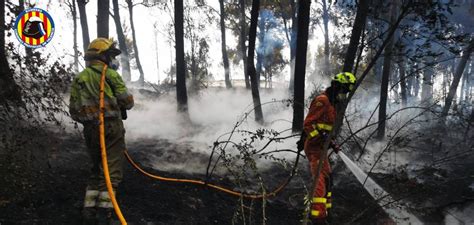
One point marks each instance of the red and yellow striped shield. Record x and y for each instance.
(34, 28)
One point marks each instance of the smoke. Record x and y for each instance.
(213, 113)
(269, 36)
(459, 216)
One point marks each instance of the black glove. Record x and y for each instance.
(335, 146)
(300, 143)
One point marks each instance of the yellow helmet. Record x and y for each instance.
(99, 46)
(346, 78)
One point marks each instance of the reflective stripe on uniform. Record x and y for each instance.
(313, 134)
(319, 200)
(90, 198)
(329, 194)
(322, 126)
(319, 126)
(328, 205)
(104, 200)
(315, 213)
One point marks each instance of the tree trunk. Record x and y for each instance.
(261, 35)
(74, 22)
(326, 39)
(81, 4)
(300, 65)
(181, 93)
(357, 30)
(250, 61)
(225, 57)
(9, 90)
(427, 87)
(403, 82)
(416, 82)
(387, 64)
(124, 57)
(292, 43)
(141, 79)
(28, 51)
(103, 18)
(243, 37)
(457, 77)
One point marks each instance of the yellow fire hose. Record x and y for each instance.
(225, 190)
(105, 166)
(103, 149)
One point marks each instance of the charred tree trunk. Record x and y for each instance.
(103, 18)
(326, 39)
(300, 65)
(250, 62)
(9, 90)
(225, 57)
(403, 81)
(387, 67)
(141, 79)
(357, 30)
(457, 77)
(181, 93)
(81, 5)
(124, 57)
(427, 86)
(243, 37)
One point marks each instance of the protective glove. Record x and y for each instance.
(300, 143)
(335, 146)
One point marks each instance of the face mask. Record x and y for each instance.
(114, 64)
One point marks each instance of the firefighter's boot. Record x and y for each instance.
(319, 221)
(89, 211)
(89, 216)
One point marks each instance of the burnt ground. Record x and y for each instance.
(43, 183)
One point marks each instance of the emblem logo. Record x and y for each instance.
(34, 28)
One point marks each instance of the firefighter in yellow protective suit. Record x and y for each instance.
(317, 125)
(84, 108)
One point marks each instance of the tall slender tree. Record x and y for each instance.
(326, 68)
(81, 5)
(181, 93)
(427, 86)
(457, 76)
(225, 57)
(141, 79)
(252, 73)
(357, 29)
(103, 18)
(242, 39)
(403, 80)
(387, 69)
(300, 65)
(291, 37)
(72, 7)
(124, 57)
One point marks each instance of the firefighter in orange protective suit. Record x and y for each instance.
(317, 125)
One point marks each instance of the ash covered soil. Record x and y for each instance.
(44, 182)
